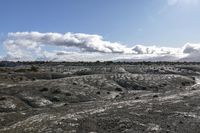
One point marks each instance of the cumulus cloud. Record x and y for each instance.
(141, 49)
(85, 42)
(30, 46)
(191, 48)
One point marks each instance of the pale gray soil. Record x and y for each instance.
(99, 97)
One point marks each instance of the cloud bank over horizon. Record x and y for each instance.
(31, 46)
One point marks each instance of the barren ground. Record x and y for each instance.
(99, 97)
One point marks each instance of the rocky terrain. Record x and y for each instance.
(99, 97)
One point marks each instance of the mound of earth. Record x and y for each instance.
(99, 97)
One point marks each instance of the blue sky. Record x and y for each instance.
(149, 22)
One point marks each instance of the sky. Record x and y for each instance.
(100, 27)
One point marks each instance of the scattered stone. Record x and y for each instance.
(98, 92)
(136, 98)
(99, 97)
(118, 89)
(44, 89)
(155, 96)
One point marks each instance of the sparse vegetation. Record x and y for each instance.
(99, 96)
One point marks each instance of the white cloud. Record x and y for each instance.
(141, 49)
(30, 46)
(85, 42)
(178, 2)
(191, 48)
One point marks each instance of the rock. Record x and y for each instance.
(99, 97)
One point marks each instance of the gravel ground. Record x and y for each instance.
(99, 97)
